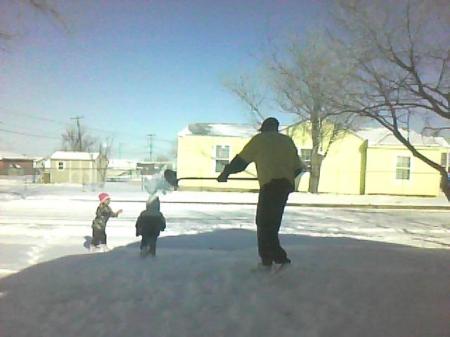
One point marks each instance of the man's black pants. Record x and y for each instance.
(271, 202)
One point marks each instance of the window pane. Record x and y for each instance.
(403, 162)
(222, 151)
(402, 174)
(305, 154)
(220, 165)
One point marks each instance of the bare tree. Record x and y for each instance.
(306, 79)
(307, 83)
(403, 58)
(44, 7)
(77, 139)
(104, 149)
(251, 95)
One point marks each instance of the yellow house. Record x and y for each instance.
(342, 170)
(369, 161)
(75, 167)
(392, 169)
(203, 151)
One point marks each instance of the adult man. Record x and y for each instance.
(277, 164)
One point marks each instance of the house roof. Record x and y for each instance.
(12, 155)
(68, 155)
(375, 136)
(216, 129)
(382, 136)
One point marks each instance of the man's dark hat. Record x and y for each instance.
(269, 124)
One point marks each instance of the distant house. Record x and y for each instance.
(121, 170)
(152, 167)
(42, 163)
(392, 169)
(76, 167)
(42, 167)
(15, 164)
(369, 161)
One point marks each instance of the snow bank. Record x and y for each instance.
(203, 285)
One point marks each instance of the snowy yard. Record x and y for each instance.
(355, 272)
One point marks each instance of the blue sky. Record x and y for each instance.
(132, 68)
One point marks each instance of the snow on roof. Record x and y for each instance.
(382, 136)
(68, 155)
(375, 136)
(225, 130)
(12, 155)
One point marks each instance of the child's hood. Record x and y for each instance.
(153, 205)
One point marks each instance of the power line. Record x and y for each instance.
(28, 134)
(54, 120)
(38, 118)
(156, 139)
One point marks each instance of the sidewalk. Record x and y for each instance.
(314, 200)
(120, 194)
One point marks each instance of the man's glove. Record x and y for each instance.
(223, 177)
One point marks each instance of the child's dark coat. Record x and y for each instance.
(149, 224)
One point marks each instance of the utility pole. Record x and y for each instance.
(77, 118)
(150, 145)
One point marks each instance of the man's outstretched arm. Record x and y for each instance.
(236, 165)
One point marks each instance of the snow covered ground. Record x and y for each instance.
(355, 272)
(202, 285)
(135, 191)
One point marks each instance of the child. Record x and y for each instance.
(102, 215)
(149, 224)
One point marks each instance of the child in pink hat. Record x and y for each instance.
(102, 215)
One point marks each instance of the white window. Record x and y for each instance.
(222, 157)
(60, 165)
(403, 168)
(305, 155)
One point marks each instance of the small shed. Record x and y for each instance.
(76, 167)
